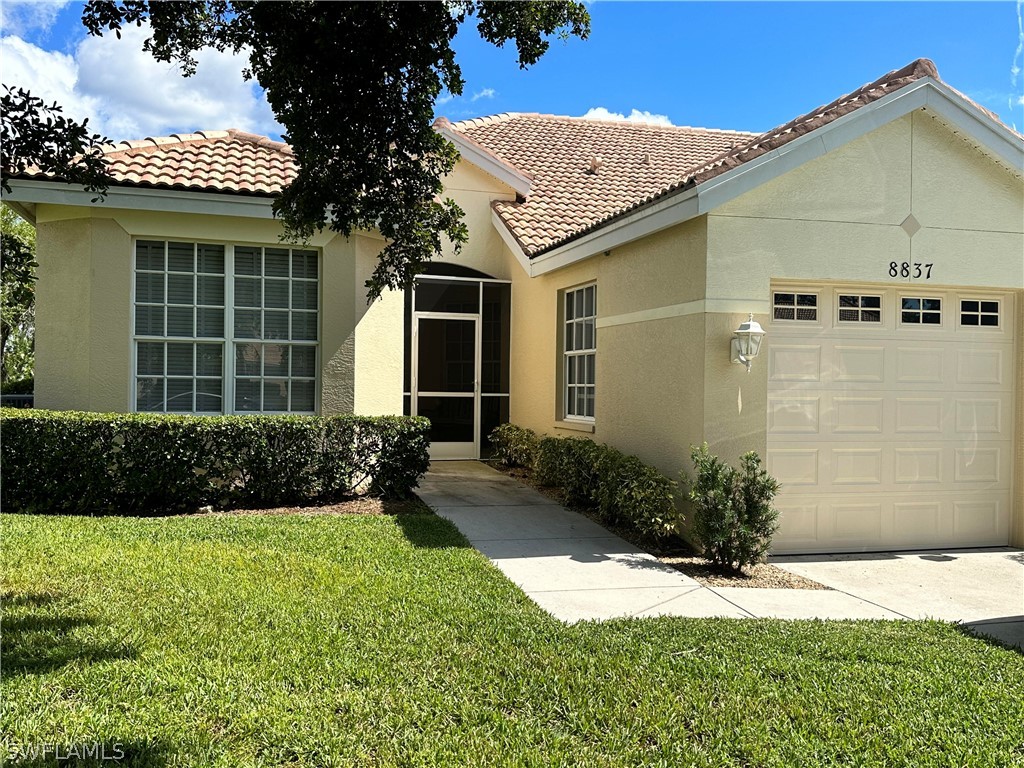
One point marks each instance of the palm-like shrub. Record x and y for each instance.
(732, 517)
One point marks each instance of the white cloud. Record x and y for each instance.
(17, 17)
(486, 93)
(635, 116)
(126, 93)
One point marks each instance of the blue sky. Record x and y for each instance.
(746, 66)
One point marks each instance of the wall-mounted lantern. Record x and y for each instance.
(746, 342)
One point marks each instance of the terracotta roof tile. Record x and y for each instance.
(587, 173)
(585, 170)
(206, 161)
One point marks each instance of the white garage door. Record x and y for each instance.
(890, 417)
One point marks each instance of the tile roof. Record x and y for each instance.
(583, 173)
(586, 170)
(587, 173)
(207, 161)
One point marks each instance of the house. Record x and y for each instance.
(878, 240)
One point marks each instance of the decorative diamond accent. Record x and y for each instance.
(911, 225)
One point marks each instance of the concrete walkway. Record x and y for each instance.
(576, 570)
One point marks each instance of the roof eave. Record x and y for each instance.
(472, 152)
(687, 203)
(35, 191)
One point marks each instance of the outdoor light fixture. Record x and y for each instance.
(746, 342)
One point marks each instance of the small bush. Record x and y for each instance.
(514, 446)
(733, 519)
(137, 464)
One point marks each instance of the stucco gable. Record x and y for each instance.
(917, 164)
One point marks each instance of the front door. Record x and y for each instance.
(446, 382)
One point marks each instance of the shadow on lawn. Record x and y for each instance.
(430, 531)
(137, 753)
(40, 634)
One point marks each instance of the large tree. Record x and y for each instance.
(17, 296)
(354, 85)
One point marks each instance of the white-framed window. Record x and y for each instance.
(221, 328)
(920, 310)
(579, 353)
(858, 308)
(795, 305)
(979, 313)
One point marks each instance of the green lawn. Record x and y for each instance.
(309, 641)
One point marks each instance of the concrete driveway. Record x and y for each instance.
(983, 589)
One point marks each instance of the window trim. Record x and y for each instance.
(227, 340)
(564, 355)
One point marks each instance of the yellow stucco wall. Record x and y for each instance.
(474, 190)
(838, 217)
(82, 300)
(84, 305)
(650, 372)
(1017, 514)
(377, 330)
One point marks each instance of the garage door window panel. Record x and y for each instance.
(795, 306)
(979, 313)
(920, 310)
(855, 308)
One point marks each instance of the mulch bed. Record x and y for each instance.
(676, 552)
(360, 506)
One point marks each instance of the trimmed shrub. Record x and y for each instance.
(733, 519)
(514, 446)
(633, 493)
(64, 462)
(623, 489)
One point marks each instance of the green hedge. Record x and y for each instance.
(64, 462)
(622, 489)
(20, 387)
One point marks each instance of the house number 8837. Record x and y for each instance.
(915, 269)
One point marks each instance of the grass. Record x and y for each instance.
(377, 640)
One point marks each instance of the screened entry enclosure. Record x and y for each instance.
(457, 359)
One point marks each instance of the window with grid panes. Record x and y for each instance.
(580, 352)
(275, 329)
(179, 327)
(184, 328)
